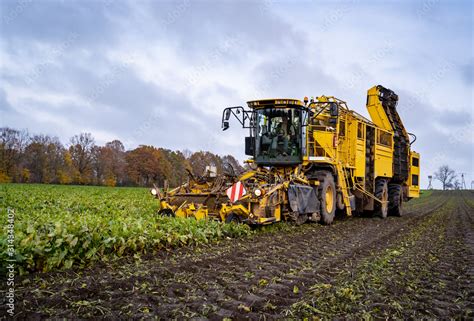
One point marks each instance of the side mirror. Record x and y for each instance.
(225, 125)
(333, 110)
(227, 116)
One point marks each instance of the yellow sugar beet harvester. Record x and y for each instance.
(309, 159)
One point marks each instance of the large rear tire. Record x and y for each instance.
(381, 192)
(395, 200)
(327, 198)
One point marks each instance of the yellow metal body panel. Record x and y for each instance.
(375, 108)
(360, 159)
(191, 210)
(237, 209)
(200, 213)
(414, 178)
(324, 143)
(383, 153)
(383, 161)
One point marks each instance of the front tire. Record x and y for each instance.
(381, 192)
(233, 218)
(166, 212)
(327, 198)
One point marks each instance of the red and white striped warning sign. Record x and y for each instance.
(236, 192)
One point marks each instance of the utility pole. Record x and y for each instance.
(429, 185)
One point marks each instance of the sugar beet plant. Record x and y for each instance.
(59, 227)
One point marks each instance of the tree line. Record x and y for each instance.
(26, 158)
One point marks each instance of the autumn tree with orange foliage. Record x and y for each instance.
(147, 165)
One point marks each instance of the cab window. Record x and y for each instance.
(415, 162)
(278, 135)
(360, 131)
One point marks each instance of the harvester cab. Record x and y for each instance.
(276, 130)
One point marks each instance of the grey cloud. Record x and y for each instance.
(4, 105)
(453, 118)
(441, 135)
(467, 73)
(52, 21)
(203, 25)
(421, 116)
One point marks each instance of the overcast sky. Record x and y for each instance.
(160, 73)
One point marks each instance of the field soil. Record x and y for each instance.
(417, 265)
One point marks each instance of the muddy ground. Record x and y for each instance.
(418, 265)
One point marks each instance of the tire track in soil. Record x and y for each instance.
(454, 273)
(432, 278)
(440, 266)
(248, 278)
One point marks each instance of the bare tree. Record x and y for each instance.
(187, 153)
(446, 176)
(234, 163)
(457, 184)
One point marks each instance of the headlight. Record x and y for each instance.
(154, 191)
(257, 192)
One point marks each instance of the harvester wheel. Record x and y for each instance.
(327, 197)
(381, 192)
(340, 202)
(395, 200)
(233, 218)
(166, 212)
